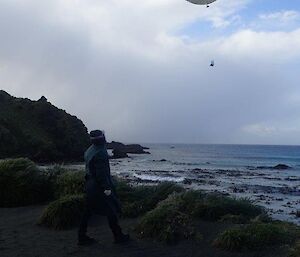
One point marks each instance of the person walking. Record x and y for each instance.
(101, 196)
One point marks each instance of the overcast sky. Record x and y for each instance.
(139, 69)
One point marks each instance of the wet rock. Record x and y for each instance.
(271, 178)
(187, 181)
(118, 154)
(132, 148)
(197, 170)
(281, 167)
(279, 199)
(277, 167)
(238, 190)
(292, 179)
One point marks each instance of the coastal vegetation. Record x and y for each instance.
(22, 183)
(70, 182)
(167, 222)
(295, 250)
(165, 212)
(137, 200)
(63, 213)
(257, 235)
(40, 131)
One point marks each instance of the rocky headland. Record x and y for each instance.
(46, 134)
(40, 131)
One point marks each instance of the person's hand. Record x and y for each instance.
(107, 192)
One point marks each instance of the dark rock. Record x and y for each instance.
(281, 167)
(279, 199)
(131, 148)
(43, 99)
(277, 167)
(238, 190)
(117, 154)
(187, 181)
(161, 160)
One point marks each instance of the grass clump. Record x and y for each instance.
(63, 213)
(215, 206)
(22, 183)
(138, 200)
(70, 182)
(166, 222)
(295, 250)
(53, 172)
(235, 219)
(256, 236)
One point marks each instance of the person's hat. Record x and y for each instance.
(96, 134)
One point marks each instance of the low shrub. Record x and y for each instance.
(256, 236)
(53, 172)
(166, 223)
(140, 199)
(70, 182)
(22, 183)
(235, 219)
(215, 206)
(63, 213)
(295, 250)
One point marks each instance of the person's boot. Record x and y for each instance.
(85, 240)
(121, 238)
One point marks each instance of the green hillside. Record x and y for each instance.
(40, 131)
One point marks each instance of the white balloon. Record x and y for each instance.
(201, 2)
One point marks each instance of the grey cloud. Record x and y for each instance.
(140, 83)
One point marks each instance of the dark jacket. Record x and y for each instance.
(98, 179)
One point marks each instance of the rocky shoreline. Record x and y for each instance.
(277, 191)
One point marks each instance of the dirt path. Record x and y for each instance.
(21, 237)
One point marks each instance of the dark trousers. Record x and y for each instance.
(112, 219)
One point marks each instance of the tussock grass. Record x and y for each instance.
(63, 213)
(215, 206)
(22, 183)
(172, 219)
(138, 200)
(235, 219)
(256, 236)
(166, 223)
(295, 250)
(69, 182)
(53, 172)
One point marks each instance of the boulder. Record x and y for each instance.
(131, 148)
(118, 154)
(281, 167)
